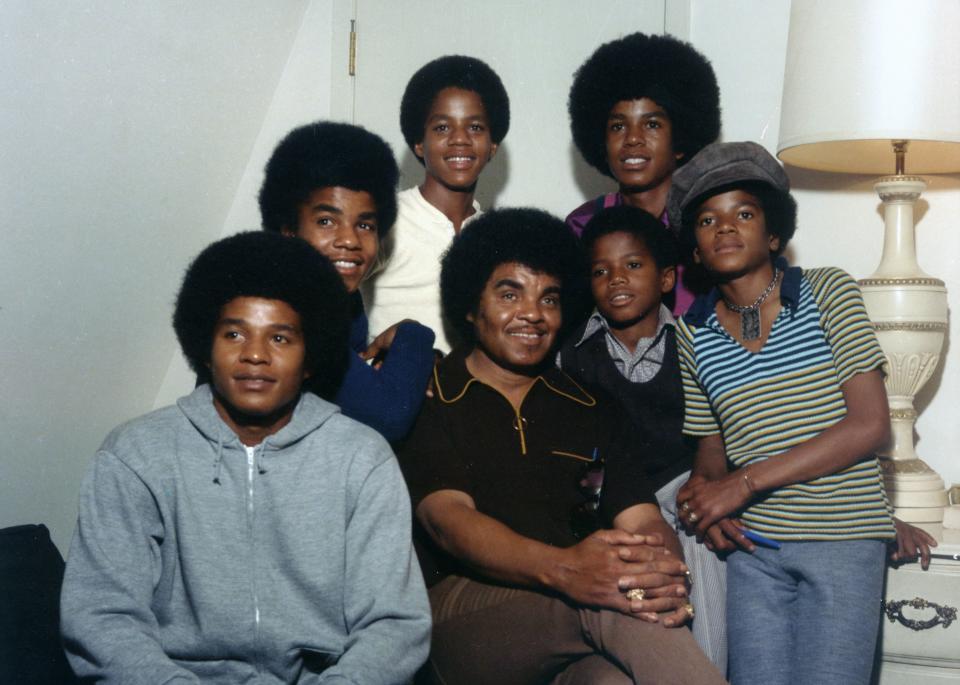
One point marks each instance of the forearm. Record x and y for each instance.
(388, 398)
(864, 429)
(710, 461)
(490, 547)
(592, 572)
(410, 354)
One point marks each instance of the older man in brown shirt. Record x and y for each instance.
(525, 587)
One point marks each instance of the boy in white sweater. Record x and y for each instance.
(454, 114)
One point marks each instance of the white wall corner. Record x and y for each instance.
(302, 95)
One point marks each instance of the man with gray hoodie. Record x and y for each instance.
(251, 533)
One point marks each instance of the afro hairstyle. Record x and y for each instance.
(668, 71)
(453, 71)
(779, 213)
(325, 155)
(530, 237)
(274, 267)
(643, 226)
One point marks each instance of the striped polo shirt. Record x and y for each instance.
(767, 402)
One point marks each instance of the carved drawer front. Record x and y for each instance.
(921, 615)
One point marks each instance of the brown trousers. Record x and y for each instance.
(487, 634)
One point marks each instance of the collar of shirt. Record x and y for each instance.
(643, 363)
(705, 305)
(596, 322)
(435, 215)
(452, 379)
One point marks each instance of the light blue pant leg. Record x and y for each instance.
(808, 613)
(760, 603)
(709, 592)
(838, 611)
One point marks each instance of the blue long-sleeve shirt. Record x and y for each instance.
(387, 398)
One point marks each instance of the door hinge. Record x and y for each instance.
(352, 62)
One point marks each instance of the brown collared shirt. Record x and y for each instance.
(522, 467)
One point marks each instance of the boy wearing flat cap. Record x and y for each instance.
(783, 381)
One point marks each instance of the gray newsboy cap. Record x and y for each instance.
(720, 164)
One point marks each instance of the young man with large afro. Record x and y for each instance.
(454, 114)
(327, 154)
(640, 107)
(528, 581)
(251, 531)
(260, 265)
(334, 185)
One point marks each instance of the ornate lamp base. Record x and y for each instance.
(909, 311)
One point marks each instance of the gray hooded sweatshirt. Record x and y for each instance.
(192, 563)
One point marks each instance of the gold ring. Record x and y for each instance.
(688, 607)
(685, 507)
(635, 593)
(693, 518)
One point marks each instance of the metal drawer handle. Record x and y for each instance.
(894, 610)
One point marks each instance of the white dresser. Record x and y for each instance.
(920, 631)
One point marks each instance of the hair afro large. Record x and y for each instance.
(324, 155)
(668, 71)
(453, 71)
(530, 237)
(274, 267)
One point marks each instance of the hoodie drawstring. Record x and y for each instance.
(219, 459)
(258, 455)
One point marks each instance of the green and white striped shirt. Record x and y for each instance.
(767, 402)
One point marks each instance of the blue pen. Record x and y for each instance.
(759, 539)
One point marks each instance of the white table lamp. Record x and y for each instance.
(870, 87)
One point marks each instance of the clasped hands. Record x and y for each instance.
(704, 508)
(602, 568)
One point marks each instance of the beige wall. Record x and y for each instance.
(126, 129)
(135, 133)
(839, 221)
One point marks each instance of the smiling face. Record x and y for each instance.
(626, 282)
(257, 363)
(456, 144)
(342, 225)
(731, 234)
(517, 318)
(639, 141)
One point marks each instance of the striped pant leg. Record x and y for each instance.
(709, 572)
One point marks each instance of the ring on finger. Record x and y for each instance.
(693, 518)
(685, 507)
(635, 593)
(688, 607)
